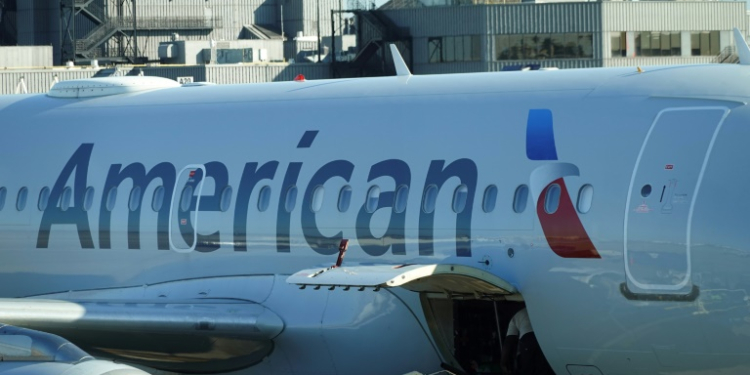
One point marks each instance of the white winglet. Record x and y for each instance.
(742, 49)
(398, 61)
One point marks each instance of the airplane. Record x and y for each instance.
(214, 229)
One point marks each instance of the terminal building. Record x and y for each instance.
(233, 41)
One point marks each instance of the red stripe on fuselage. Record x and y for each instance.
(565, 233)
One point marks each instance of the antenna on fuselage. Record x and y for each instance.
(743, 51)
(401, 68)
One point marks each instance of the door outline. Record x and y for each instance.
(176, 198)
(696, 191)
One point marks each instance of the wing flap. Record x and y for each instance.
(453, 279)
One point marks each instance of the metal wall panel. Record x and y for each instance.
(673, 16)
(26, 56)
(665, 60)
(500, 19)
(233, 74)
(39, 81)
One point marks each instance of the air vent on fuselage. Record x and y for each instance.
(97, 87)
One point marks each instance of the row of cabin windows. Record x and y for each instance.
(372, 200)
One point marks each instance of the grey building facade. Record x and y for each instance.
(477, 38)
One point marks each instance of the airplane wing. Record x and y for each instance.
(195, 336)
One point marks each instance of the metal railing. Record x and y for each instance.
(727, 56)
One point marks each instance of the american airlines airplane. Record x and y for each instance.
(379, 225)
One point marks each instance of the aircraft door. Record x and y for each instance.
(663, 190)
(183, 213)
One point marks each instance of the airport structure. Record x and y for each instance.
(235, 41)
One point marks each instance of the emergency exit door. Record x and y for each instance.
(183, 214)
(664, 187)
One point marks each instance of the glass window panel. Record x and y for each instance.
(459, 198)
(558, 46)
(264, 198)
(430, 197)
(402, 196)
(646, 43)
(545, 51)
(21, 200)
(615, 44)
(655, 44)
(111, 199)
(715, 44)
(135, 198)
(316, 202)
(515, 43)
(291, 199)
(585, 198)
(373, 198)
(43, 199)
(3, 195)
(158, 199)
(520, 198)
(449, 49)
(186, 199)
(676, 43)
(65, 198)
(666, 44)
(476, 48)
(226, 199)
(552, 199)
(435, 49)
(571, 46)
(695, 43)
(586, 44)
(459, 45)
(317, 199)
(345, 198)
(705, 43)
(502, 47)
(467, 48)
(490, 198)
(530, 45)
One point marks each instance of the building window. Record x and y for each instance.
(454, 48)
(619, 44)
(655, 43)
(544, 46)
(704, 43)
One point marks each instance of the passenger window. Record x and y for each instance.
(373, 198)
(490, 198)
(345, 198)
(186, 200)
(585, 198)
(264, 198)
(401, 198)
(21, 200)
(43, 199)
(65, 198)
(552, 199)
(226, 199)
(317, 199)
(3, 195)
(111, 199)
(158, 199)
(135, 198)
(291, 199)
(430, 197)
(459, 198)
(88, 198)
(520, 199)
